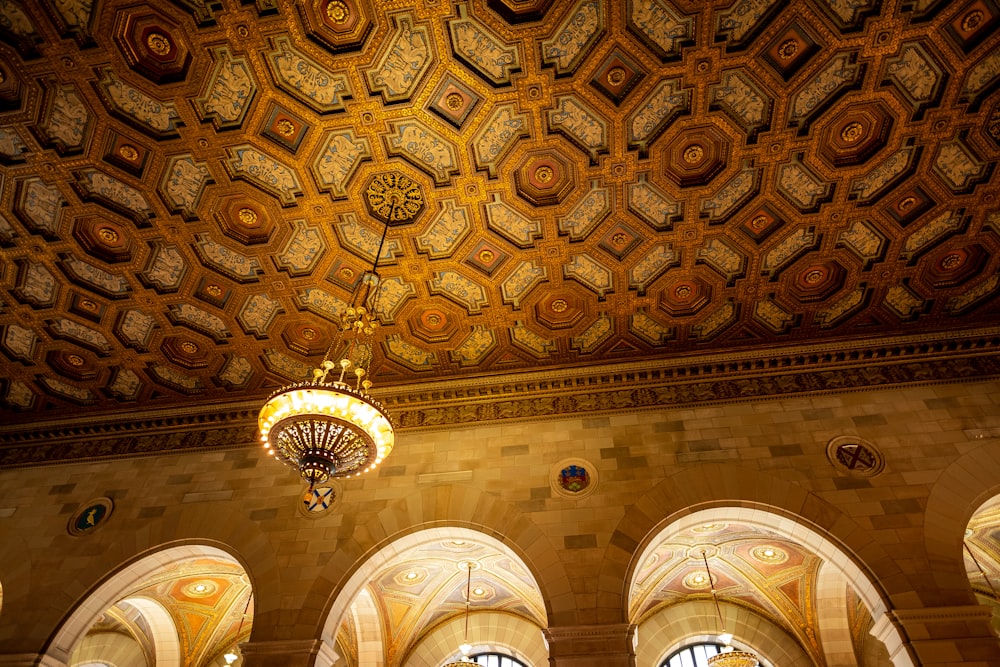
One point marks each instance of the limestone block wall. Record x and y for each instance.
(902, 527)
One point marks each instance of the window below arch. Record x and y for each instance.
(496, 660)
(693, 655)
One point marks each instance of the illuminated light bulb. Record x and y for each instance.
(465, 649)
(230, 657)
(726, 637)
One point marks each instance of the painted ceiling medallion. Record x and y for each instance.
(200, 588)
(394, 198)
(697, 581)
(103, 239)
(768, 554)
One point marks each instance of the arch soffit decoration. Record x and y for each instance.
(491, 632)
(449, 509)
(163, 632)
(959, 492)
(748, 496)
(399, 550)
(696, 621)
(117, 586)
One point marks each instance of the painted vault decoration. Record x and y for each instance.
(568, 184)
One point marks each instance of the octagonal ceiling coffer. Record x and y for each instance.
(696, 156)
(544, 178)
(857, 132)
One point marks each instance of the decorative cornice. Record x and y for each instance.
(595, 390)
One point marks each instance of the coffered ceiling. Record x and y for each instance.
(191, 189)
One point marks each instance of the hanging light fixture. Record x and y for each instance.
(465, 647)
(727, 657)
(330, 426)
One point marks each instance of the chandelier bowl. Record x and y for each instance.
(733, 659)
(325, 430)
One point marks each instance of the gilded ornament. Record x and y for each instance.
(75, 360)
(787, 49)
(285, 128)
(852, 132)
(814, 277)
(906, 203)
(486, 256)
(616, 76)
(128, 152)
(394, 197)
(559, 305)
(247, 216)
(619, 239)
(338, 12)
(972, 20)
(951, 261)
(214, 290)
(682, 291)
(187, 347)
(693, 154)
(158, 43)
(759, 222)
(108, 235)
(454, 101)
(544, 174)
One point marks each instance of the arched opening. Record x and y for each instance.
(785, 592)
(183, 605)
(981, 552)
(411, 597)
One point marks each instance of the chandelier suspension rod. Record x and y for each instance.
(715, 597)
(980, 568)
(468, 599)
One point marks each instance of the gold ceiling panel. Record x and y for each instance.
(190, 189)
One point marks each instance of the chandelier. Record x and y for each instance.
(727, 657)
(330, 426)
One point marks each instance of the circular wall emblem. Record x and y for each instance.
(319, 500)
(91, 515)
(573, 478)
(855, 456)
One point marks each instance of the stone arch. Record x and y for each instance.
(162, 630)
(454, 507)
(754, 496)
(413, 542)
(696, 621)
(369, 631)
(956, 495)
(495, 632)
(15, 565)
(116, 586)
(832, 617)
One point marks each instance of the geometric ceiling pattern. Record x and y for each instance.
(982, 552)
(208, 604)
(752, 567)
(191, 189)
(424, 586)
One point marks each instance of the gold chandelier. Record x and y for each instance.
(330, 426)
(727, 657)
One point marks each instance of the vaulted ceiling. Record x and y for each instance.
(191, 189)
